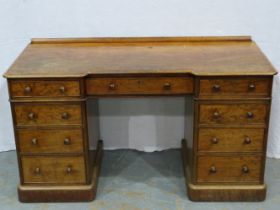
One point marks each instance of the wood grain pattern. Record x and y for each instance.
(230, 140)
(230, 128)
(237, 87)
(139, 86)
(221, 191)
(139, 39)
(41, 88)
(42, 141)
(68, 59)
(230, 80)
(64, 193)
(47, 114)
(53, 169)
(232, 113)
(200, 192)
(228, 169)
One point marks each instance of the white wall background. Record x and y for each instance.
(148, 124)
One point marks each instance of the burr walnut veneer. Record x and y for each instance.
(227, 81)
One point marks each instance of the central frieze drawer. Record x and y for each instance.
(50, 140)
(139, 86)
(230, 139)
(233, 113)
(56, 170)
(229, 168)
(51, 114)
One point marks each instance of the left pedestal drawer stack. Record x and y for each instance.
(51, 133)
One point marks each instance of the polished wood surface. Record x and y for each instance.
(52, 114)
(139, 86)
(233, 113)
(229, 169)
(200, 57)
(230, 139)
(53, 83)
(64, 193)
(139, 39)
(238, 87)
(220, 191)
(224, 192)
(33, 141)
(39, 88)
(53, 170)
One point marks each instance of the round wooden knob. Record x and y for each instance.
(37, 170)
(67, 141)
(27, 89)
(250, 115)
(213, 169)
(216, 115)
(112, 86)
(31, 115)
(65, 116)
(69, 170)
(214, 140)
(216, 87)
(251, 87)
(247, 140)
(62, 89)
(245, 169)
(34, 141)
(167, 86)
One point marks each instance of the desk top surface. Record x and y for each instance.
(202, 56)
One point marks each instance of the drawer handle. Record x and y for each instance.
(245, 169)
(62, 89)
(27, 89)
(69, 170)
(37, 170)
(251, 87)
(213, 169)
(112, 86)
(250, 115)
(247, 140)
(34, 141)
(216, 87)
(65, 116)
(167, 86)
(67, 141)
(216, 115)
(214, 140)
(31, 115)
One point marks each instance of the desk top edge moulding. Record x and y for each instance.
(228, 79)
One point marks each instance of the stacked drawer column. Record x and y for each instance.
(230, 134)
(51, 138)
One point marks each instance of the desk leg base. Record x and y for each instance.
(77, 193)
(226, 192)
(219, 192)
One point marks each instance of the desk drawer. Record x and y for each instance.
(38, 88)
(229, 169)
(56, 170)
(232, 113)
(254, 87)
(230, 139)
(52, 114)
(139, 86)
(50, 141)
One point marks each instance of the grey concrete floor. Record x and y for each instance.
(133, 180)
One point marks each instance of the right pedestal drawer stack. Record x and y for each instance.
(231, 124)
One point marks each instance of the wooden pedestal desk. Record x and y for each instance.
(228, 78)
